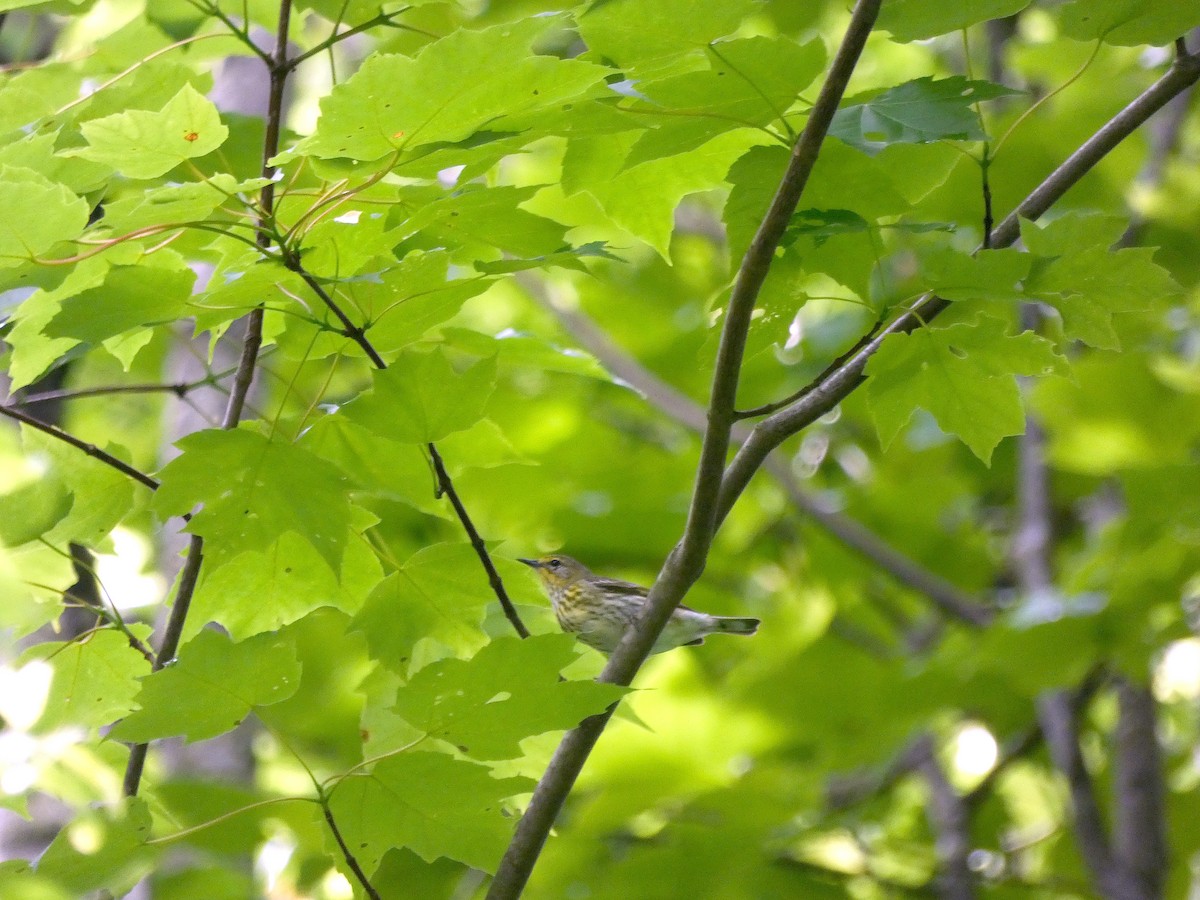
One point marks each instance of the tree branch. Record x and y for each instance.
(949, 816)
(686, 561)
(446, 486)
(180, 389)
(1057, 715)
(687, 412)
(1140, 831)
(833, 387)
(90, 449)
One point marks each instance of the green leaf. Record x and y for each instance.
(387, 469)
(986, 275)
(844, 180)
(750, 81)
(915, 20)
(143, 144)
(421, 398)
(130, 296)
(95, 679)
(33, 509)
(634, 34)
(963, 375)
(259, 591)
(253, 490)
(439, 593)
(430, 803)
(508, 691)
(169, 204)
(37, 215)
(1089, 286)
(1071, 233)
(405, 302)
(102, 848)
(1127, 23)
(211, 686)
(453, 88)
(102, 495)
(642, 200)
(484, 223)
(916, 112)
(527, 352)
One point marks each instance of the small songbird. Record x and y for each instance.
(599, 609)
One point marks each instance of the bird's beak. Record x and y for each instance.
(532, 563)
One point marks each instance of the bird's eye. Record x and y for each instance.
(555, 564)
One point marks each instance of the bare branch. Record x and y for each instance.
(446, 486)
(90, 449)
(686, 562)
(181, 389)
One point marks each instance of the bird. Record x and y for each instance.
(599, 609)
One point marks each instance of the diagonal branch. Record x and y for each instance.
(686, 561)
(446, 486)
(687, 412)
(830, 389)
(90, 449)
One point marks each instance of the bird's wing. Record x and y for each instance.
(616, 586)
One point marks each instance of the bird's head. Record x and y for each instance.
(557, 572)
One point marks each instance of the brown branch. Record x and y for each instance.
(166, 651)
(1140, 829)
(1058, 719)
(180, 389)
(687, 412)
(90, 449)
(686, 561)
(446, 486)
(829, 390)
(949, 817)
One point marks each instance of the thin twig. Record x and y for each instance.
(337, 38)
(166, 651)
(346, 854)
(446, 486)
(686, 562)
(180, 389)
(90, 449)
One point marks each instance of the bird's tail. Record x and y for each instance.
(734, 625)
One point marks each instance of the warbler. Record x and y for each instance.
(599, 609)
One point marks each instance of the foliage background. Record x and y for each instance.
(477, 208)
